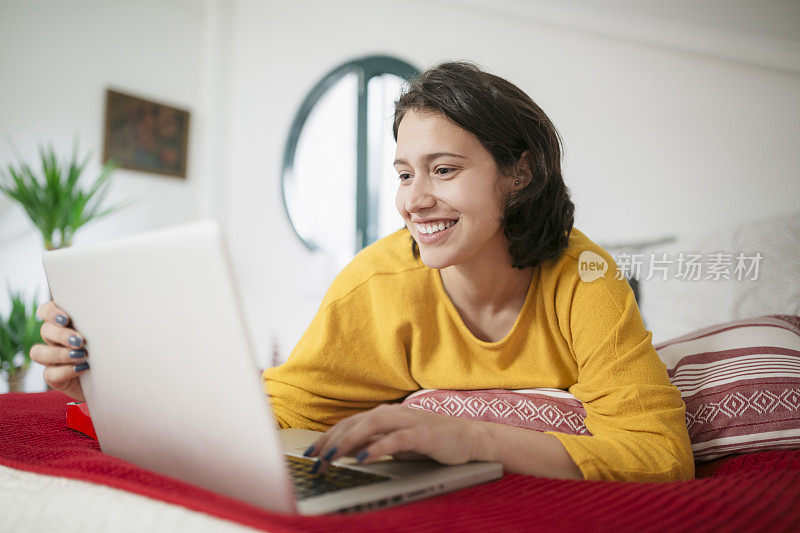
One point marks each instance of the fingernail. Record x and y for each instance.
(361, 456)
(81, 367)
(75, 341)
(308, 451)
(77, 354)
(315, 468)
(330, 454)
(62, 320)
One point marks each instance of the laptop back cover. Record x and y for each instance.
(173, 385)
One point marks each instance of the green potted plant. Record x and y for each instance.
(18, 333)
(58, 207)
(55, 203)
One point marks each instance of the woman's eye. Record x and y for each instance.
(404, 176)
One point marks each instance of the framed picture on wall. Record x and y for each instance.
(145, 136)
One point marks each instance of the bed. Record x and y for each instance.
(55, 478)
(745, 435)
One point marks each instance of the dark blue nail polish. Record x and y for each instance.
(315, 468)
(330, 454)
(62, 320)
(75, 341)
(308, 451)
(81, 367)
(361, 456)
(77, 354)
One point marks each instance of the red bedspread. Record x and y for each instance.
(753, 492)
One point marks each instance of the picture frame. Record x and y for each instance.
(146, 136)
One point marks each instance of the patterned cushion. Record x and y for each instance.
(540, 409)
(740, 381)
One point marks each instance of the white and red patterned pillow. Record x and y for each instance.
(539, 409)
(740, 381)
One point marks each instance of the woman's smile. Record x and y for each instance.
(434, 232)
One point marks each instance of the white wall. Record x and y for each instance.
(57, 59)
(666, 130)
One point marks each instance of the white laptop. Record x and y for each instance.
(174, 386)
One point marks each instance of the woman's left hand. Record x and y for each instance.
(394, 429)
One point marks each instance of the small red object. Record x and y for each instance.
(78, 418)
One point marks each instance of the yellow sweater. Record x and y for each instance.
(386, 328)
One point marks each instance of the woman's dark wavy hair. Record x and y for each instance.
(538, 218)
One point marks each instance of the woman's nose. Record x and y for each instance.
(419, 196)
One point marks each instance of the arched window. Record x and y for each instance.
(337, 181)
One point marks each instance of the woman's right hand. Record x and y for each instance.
(64, 355)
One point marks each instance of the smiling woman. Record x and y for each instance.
(493, 300)
(487, 296)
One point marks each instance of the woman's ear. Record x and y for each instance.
(524, 170)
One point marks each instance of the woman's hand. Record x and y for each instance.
(400, 431)
(64, 355)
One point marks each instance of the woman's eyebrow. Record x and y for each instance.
(427, 158)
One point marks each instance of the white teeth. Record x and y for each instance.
(427, 229)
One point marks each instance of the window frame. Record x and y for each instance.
(366, 68)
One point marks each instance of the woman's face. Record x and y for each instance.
(447, 177)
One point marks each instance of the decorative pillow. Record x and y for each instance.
(740, 381)
(539, 409)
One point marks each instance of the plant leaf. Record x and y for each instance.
(53, 199)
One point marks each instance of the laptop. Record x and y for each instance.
(174, 384)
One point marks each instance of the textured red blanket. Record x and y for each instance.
(759, 491)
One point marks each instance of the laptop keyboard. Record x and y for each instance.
(334, 478)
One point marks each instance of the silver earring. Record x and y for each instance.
(516, 182)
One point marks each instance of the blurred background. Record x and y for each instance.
(678, 119)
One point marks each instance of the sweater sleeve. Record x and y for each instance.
(351, 358)
(633, 412)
